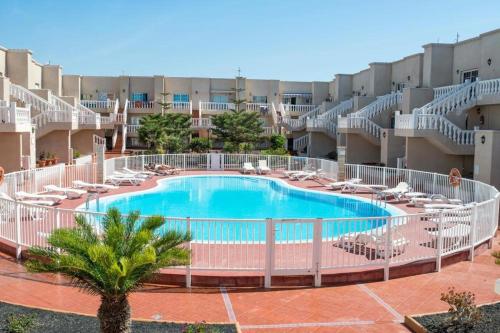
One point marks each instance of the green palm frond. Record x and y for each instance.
(117, 262)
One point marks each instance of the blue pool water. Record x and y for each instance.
(239, 197)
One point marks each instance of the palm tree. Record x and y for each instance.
(113, 263)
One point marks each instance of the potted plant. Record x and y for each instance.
(56, 159)
(41, 161)
(50, 159)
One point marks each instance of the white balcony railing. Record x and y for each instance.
(258, 107)
(12, 114)
(200, 123)
(215, 106)
(94, 104)
(131, 129)
(297, 108)
(141, 105)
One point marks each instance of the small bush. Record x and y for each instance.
(230, 147)
(200, 145)
(245, 147)
(463, 311)
(496, 254)
(277, 141)
(201, 327)
(21, 323)
(277, 151)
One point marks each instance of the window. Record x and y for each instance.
(220, 98)
(471, 75)
(139, 97)
(181, 97)
(259, 99)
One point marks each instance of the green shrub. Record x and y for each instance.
(201, 327)
(277, 151)
(200, 145)
(230, 147)
(277, 141)
(245, 147)
(463, 311)
(21, 323)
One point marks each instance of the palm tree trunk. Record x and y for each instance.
(114, 314)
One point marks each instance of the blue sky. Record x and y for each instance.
(287, 40)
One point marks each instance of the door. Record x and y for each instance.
(296, 247)
(215, 161)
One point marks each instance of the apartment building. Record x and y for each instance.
(432, 111)
(46, 112)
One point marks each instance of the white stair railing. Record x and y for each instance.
(365, 124)
(301, 142)
(87, 116)
(381, 104)
(12, 114)
(446, 128)
(274, 113)
(324, 124)
(338, 110)
(28, 97)
(60, 104)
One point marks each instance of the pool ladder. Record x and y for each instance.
(92, 196)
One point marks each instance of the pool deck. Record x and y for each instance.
(370, 307)
(363, 307)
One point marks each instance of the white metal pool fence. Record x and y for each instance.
(277, 246)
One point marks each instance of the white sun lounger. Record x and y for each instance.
(22, 195)
(126, 174)
(262, 168)
(93, 187)
(306, 175)
(354, 188)
(433, 208)
(248, 168)
(376, 242)
(30, 202)
(71, 193)
(339, 185)
(133, 172)
(453, 236)
(434, 199)
(117, 179)
(395, 192)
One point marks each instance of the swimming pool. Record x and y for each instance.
(208, 199)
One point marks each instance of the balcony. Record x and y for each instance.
(201, 123)
(262, 108)
(142, 107)
(100, 106)
(14, 118)
(215, 107)
(296, 109)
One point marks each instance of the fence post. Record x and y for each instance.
(289, 162)
(388, 248)
(188, 266)
(434, 175)
(142, 162)
(317, 244)
(269, 260)
(18, 230)
(473, 232)
(183, 161)
(439, 245)
(357, 171)
(384, 174)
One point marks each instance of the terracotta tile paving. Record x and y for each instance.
(373, 307)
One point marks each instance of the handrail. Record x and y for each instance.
(60, 104)
(382, 103)
(445, 127)
(29, 97)
(365, 124)
(301, 142)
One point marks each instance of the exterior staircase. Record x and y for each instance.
(431, 121)
(326, 122)
(299, 144)
(362, 121)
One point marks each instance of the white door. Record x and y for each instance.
(215, 162)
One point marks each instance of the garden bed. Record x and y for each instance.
(490, 322)
(58, 322)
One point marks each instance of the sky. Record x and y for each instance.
(287, 40)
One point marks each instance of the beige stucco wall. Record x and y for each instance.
(11, 151)
(82, 141)
(35, 75)
(487, 158)
(490, 49)
(52, 78)
(359, 150)
(361, 82)
(201, 91)
(178, 85)
(4, 89)
(55, 142)
(320, 92)
(269, 88)
(414, 98)
(71, 85)
(489, 113)
(411, 66)
(95, 85)
(391, 147)
(466, 56)
(423, 155)
(438, 65)
(380, 79)
(142, 84)
(320, 145)
(18, 63)
(343, 87)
